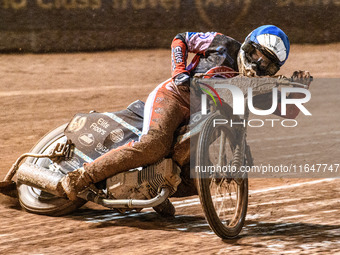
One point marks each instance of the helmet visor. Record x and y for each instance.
(262, 61)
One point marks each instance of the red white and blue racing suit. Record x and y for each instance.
(168, 106)
(212, 50)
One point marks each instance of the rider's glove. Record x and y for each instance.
(303, 77)
(183, 79)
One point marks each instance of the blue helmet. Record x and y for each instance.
(273, 39)
(272, 42)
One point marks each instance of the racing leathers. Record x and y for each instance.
(212, 50)
(220, 52)
(166, 110)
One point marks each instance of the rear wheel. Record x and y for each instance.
(36, 201)
(224, 199)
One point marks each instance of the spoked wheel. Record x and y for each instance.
(223, 198)
(36, 201)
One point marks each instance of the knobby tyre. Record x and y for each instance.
(224, 199)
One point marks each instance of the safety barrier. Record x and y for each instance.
(72, 25)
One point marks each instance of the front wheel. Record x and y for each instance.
(224, 199)
(36, 201)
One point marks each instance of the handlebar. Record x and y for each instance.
(277, 81)
(284, 81)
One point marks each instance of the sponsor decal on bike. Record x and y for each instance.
(117, 135)
(100, 126)
(73, 163)
(101, 149)
(86, 139)
(76, 124)
(123, 123)
(95, 127)
(103, 123)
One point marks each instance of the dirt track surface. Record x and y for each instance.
(285, 216)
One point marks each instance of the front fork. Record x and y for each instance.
(242, 153)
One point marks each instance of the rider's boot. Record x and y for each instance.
(74, 182)
(165, 209)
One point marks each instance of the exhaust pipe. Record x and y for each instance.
(126, 203)
(41, 178)
(9, 188)
(49, 181)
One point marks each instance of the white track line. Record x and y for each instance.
(293, 155)
(1, 235)
(290, 186)
(282, 201)
(312, 205)
(69, 90)
(195, 201)
(302, 144)
(336, 132)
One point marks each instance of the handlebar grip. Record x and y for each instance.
(282, 80)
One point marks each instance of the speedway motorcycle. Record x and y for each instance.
(223, 196)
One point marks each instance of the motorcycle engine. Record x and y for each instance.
(144, 183)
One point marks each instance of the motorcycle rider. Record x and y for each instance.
(167, 108)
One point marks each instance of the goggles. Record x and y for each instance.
(262, 61)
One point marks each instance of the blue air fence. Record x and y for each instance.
(72, 25)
